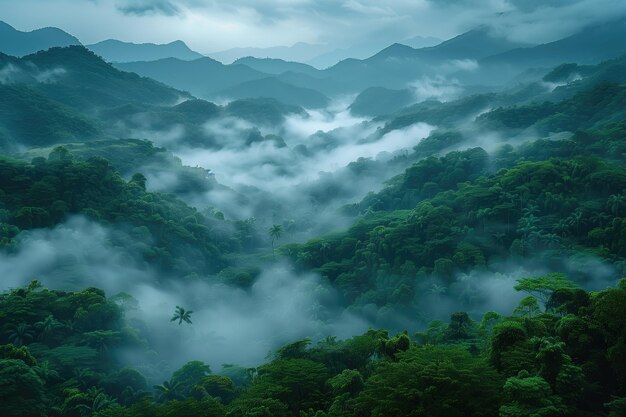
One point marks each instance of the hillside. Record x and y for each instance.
(78, 78)
(377, 101)
(29, 118)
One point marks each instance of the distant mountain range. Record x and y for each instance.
(318, 55)
(392, 67)
(589, 46)
(117, 51)
(367, 49)
(17, 43)
(211, 79)
(479, 57)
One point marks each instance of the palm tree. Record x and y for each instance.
(45, 372)
(182, 315)
(324, 249)
(551, 240)
(577, 219)
(615, 203)
(482, 214)
(47, 326)
(437, 290)
(100, 402)
(131, 395)
(275, 233)
(84, 377)
(21, 334)
(168, 391)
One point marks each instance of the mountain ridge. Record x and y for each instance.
(114, 50)
(20, 43)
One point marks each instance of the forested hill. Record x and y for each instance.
(165, 231)
(78, 78)
(541, 202)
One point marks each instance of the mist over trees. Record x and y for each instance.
(434, 231)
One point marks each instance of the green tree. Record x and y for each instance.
(430, 381)
(47, 327)
(21, 334)
(182, 315)
(528, 307)
(543, 286)
(299, 383)
(216, 386)
(168, 391)
(460, 326)
(276, 231)
(21, 390)
(526, 396)
(100, 402)
(188, 375)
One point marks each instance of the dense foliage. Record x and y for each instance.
(58, 359)
(47, 191)
(454, 214)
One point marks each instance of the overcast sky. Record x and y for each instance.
(213, 25)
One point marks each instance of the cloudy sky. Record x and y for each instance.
(213, 25)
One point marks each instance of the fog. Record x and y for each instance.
(301, 170)
(439, 88)
(230, 325)
(11, 74)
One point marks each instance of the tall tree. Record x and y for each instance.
(182, 315)
(276, 232)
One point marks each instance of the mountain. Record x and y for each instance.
(17, 43)
(591, 45)
(421, 41)
(366, 49)
(377, 101)
(273, 88)
(78, 78)
(398, 65)
(202, 77)
(393, 68)
(117, 51)
(299, 52)
(475, 44)
(276, 66)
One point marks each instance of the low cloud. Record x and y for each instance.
(438, 88)
(461, 65)
(9, 74)
(280, 307)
